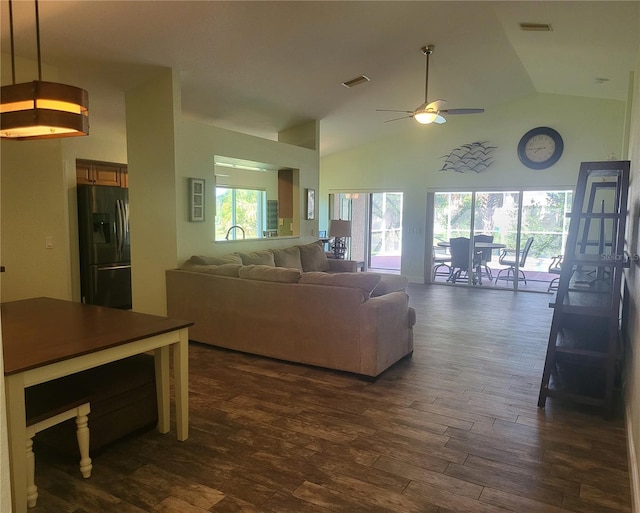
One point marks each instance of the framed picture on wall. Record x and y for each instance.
(196, 199)
(311, 204)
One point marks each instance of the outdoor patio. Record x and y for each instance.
(538, 278)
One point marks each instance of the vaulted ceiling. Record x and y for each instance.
(260, 67)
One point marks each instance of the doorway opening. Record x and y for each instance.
(376, 227)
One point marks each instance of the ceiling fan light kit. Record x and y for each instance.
(430, 112)
(425, 117)
(38, 109)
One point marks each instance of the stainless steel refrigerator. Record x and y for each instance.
(105, 255)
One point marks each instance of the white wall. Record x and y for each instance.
(411, 162)
(151, 133)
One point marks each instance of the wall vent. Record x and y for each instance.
(535, 27)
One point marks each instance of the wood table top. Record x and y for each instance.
(41, 331)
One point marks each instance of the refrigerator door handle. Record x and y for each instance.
(125, 223)
(119, 228)
(114, 267)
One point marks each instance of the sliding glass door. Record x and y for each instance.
(376, 227)
(516, 235)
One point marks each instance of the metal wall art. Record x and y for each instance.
(475, 156)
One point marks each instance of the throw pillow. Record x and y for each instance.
(233, 258)
(390, 283)
(313, 257)
(364, 281)
(288, 257)
(269, 273)
(219, 270)
(264, 257)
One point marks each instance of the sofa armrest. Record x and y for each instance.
(337, 265)
(386, 331)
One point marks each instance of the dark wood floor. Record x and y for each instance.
(454, 430)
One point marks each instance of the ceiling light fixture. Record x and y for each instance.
(424, 115)
(41, 110)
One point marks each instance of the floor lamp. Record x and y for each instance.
(339, 229)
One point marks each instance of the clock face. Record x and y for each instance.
(540, 148)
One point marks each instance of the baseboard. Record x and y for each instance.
(633, 464)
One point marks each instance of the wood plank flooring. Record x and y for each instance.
(456, 429)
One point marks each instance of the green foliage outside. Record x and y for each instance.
(543, 217)
(386, 223)
(241, 207)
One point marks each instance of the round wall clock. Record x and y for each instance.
(540, 148)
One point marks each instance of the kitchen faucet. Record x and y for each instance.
(235, 226)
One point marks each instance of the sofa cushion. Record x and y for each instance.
(390, 283)
(233, 258)
(218, 270)
(364, 281)
(269, 273)
(313, 257)
(288, 257)
(264, 257)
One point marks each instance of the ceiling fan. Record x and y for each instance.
(430, 112)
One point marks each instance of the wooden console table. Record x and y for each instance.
(45, 339)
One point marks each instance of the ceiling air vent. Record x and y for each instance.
(356, 81)
(535, 27)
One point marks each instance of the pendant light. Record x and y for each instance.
(41, 110)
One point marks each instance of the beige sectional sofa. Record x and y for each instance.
(299, 312)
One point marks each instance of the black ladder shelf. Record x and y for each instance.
(583, 354)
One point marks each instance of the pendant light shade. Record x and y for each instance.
(41, 110)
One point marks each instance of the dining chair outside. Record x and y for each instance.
(509, 258)
(440, 260)
(459, 249)
(555, 267)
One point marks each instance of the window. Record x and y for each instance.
(244, 209)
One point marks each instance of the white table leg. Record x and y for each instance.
(17, 434)
(32, 489)
(181, 383)
(162, 388)
(82, 435)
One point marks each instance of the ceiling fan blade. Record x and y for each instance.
(439, 120)
(396, 119)
(436, 105)
(462, 111)
(392, 110)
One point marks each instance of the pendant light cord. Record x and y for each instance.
(38, 41)
(13, 57)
